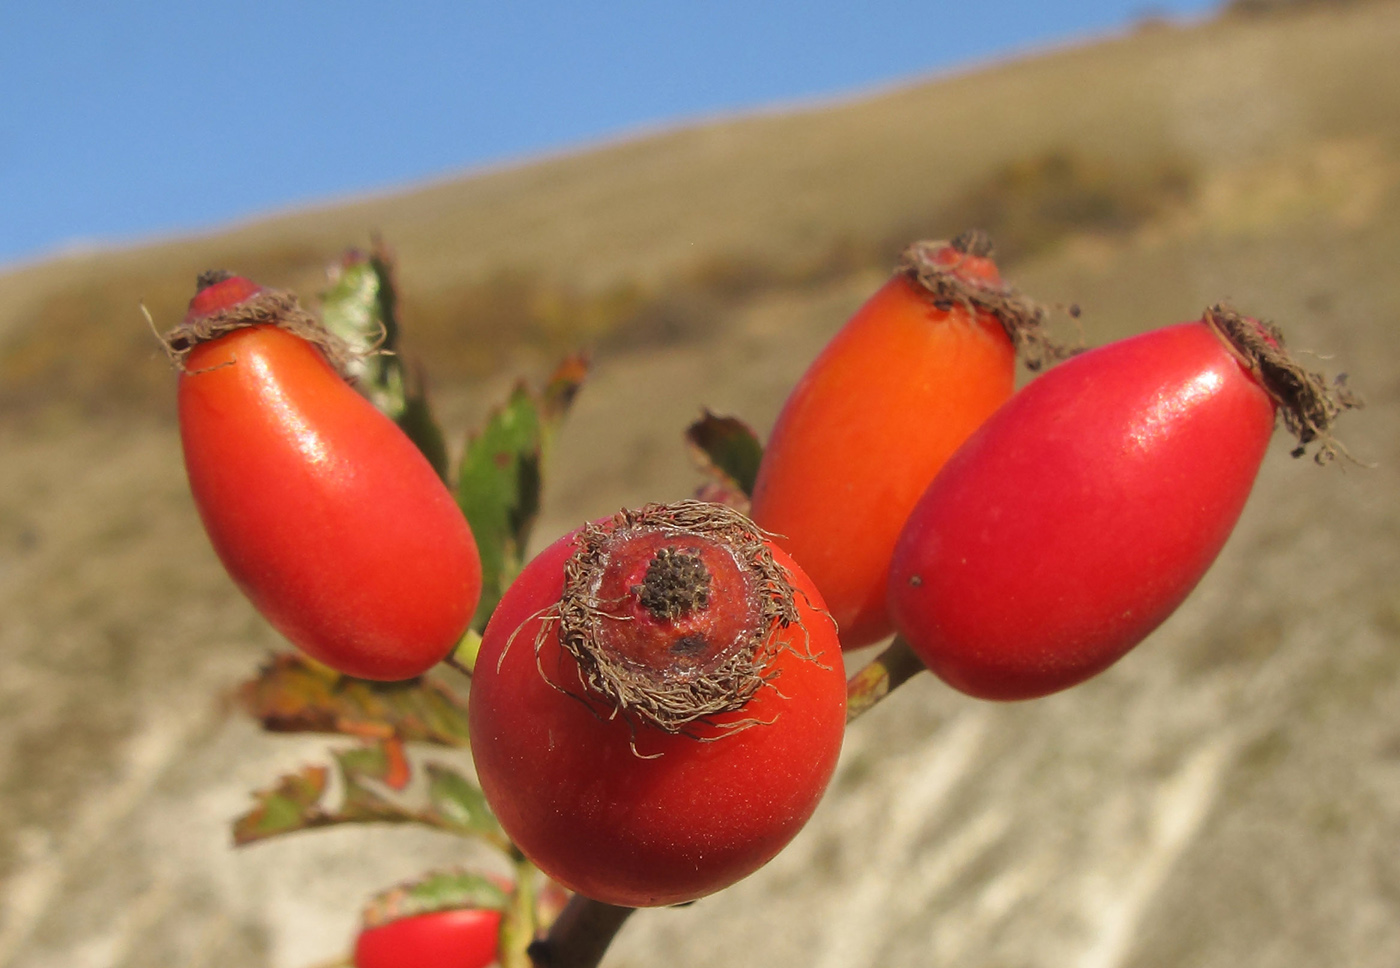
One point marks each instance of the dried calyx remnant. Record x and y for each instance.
(676, 584)
(248, 305)
(1308, 403)
(1022, 318)
(673, 613)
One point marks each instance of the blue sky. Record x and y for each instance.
(121, 121)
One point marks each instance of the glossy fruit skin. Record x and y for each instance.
(866, 429)
(1081, 515)
(323, 512)
(684, 818)
(465, 938)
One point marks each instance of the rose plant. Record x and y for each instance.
(658, 698)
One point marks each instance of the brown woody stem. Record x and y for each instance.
(580, 935)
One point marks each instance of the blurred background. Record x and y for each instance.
(701, 197)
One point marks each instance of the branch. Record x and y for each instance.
(580, 935)
(893, 667)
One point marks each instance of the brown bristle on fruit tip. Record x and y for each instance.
(673, 696)
(267, 307)
(1307, 401)
(1022, 318)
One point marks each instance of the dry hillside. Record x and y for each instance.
(1228, 795)
(645, 237)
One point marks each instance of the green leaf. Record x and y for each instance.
(293, 804)
(417, 421)
(350, 306)
(374, 780)
(360, 307)
(498, 489)
(365, 770)
(728, 452)
(438, 891)
(296, 802)
(501, 475)
(460, 804)
(293, 694)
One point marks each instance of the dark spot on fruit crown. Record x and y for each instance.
(676, 583)
(974, 242)
(689, 646)
(916, 580)
(211, 277)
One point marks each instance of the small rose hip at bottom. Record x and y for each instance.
(461, 938)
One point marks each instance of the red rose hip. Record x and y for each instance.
(918, 367)
(323, 512)
(465, 938)
(658, 705)
(1086, 509)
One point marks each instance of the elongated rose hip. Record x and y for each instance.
(323, 512)
(918, 367)
(1087, 508)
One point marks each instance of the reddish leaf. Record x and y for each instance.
(294, 694)
(398, 773)
(564, 384)
(369, 773)
(293, 804)
(375, 783)
(728, 452)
